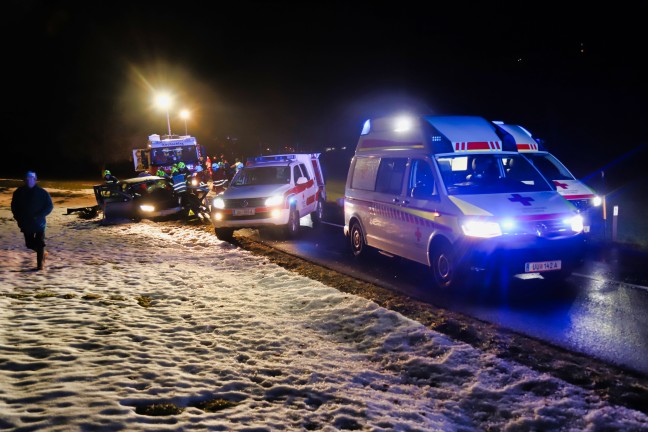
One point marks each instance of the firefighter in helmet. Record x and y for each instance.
(108, 177)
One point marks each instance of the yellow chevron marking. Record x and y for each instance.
(469, 209)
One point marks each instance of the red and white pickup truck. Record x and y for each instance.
(271, 191)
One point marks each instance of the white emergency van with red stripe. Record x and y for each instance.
(441, 191)
(567, 185)
(271, 191)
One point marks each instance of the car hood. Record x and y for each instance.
(535, 205)
(259, 191)
(573, 189)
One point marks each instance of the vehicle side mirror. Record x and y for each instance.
(302, 180)
(423, 192)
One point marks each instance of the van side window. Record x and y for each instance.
(364, 173)
(304, 171)
(296, 173)
(390, 175)
(421, 181)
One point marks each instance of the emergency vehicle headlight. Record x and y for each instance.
(576, 223)
(481, 229)
(507, 224)
(274, 201)
(597, 201)
(147, 208)
(218, 203)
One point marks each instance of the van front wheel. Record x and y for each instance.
(291, 229)
(443, 265)
(225, 234)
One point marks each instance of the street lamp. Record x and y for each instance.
(164, 101)
(184, 114)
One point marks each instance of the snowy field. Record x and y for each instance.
(158, 326)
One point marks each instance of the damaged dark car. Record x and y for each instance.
(150, 197)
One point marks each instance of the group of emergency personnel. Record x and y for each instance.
(215, 169)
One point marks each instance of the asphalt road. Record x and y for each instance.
(599, 311)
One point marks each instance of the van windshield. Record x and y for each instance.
(252, 176)
(489, 173)
(549, 166)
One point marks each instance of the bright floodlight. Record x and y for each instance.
(403, 124)
(163, 101)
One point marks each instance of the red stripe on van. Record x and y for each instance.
(575, 197)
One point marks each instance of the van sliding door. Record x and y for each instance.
(387, 220)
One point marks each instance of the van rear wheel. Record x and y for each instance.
(443, 265)
(316, 215)
(357, 241)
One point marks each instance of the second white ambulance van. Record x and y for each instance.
(438, 190)
(567, 185)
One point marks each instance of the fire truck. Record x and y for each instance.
(166, 150)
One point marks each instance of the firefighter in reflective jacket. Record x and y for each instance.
(161, 173)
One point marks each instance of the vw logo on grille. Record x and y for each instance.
(244, 203)
(541, 229)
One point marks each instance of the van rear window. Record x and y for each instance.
(390, 175)
(364, 173)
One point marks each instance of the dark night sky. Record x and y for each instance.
(80, 77)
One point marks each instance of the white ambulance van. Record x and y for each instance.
(437, 190)
(572, 189)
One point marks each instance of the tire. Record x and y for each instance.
(443, 265)
(225, 234)
(316, 215)
(291, 229)
(359, 247)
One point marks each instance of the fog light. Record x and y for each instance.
(218, 216)
(275, 213)
(576, 223)
(147, 208)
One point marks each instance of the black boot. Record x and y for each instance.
(40, 258)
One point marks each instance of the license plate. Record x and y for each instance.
(243, 212)
(542, 266)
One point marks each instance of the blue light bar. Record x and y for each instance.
(366, 128)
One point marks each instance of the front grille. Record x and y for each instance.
(582, 204)
(545, 228)
(257, 216)
(244, 203)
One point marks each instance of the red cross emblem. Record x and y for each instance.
(562, 185)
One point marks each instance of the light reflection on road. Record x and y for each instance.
(595, 311)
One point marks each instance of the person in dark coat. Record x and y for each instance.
(30, 205)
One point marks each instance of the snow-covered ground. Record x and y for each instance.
(132, 320)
